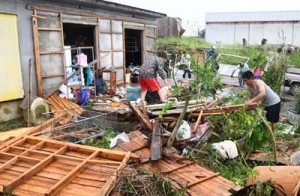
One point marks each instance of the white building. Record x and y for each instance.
(232, 27)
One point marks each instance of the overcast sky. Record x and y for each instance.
(195, 10)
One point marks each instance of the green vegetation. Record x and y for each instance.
(104, 142)
(236, 170)
(12, 124)
(256, 53)
(294, 59)
(186, 43)
(275, 75)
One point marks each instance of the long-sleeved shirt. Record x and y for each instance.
(151, 67)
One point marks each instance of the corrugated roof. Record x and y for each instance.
(253, 16)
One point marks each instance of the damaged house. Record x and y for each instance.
(53, 33)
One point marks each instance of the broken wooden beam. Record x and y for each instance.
(142, 117)
(156, 142)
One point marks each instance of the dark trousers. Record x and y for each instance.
(188, 72)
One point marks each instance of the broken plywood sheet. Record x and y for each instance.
(35, 166)
(182, 173)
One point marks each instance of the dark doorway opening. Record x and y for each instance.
(133, 47)
(78, 35)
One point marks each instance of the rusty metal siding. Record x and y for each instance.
(11, 83)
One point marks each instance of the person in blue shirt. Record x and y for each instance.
(242, 68)
(212, 55)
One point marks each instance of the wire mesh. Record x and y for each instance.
(91, 124)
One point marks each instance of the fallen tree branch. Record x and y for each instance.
(271, 133)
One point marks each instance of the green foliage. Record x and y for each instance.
(104, 142)
(242, 125)
(294, 59)
(256, 54)
(275, 75)
(166, 107)
(177, 91)
(12, 124)
(185, 43)
(235, 170)
(205, 81)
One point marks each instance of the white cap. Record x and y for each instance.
(213, 47)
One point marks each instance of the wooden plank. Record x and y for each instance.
(88, 182)
(8, 163)
(62, 43)
(150, 36)
(34, 188)
(141, 116)
(17, 181)
(51, 52)
(202, 180)
(177, 168)
(61, 184)
(42, 181)
(108, 185)
(37, 55)
(53, 176)
(197, 122)
(49, 29)
(32, 171)
(26, 192)
(52, 75)
(105, 153)
(156, 142)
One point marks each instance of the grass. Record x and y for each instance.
(12, 124)
(256, 53)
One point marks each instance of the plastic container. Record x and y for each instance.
(133, 93)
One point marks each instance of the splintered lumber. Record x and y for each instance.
(109, 184)
(198, 121)
(144, 120)
(183, 174)
(180, 103)
(61, 105)
(156, 143)
(225, 109)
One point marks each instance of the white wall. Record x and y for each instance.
(275, 33)
(296, 35)
(220, 33)
(241, 31)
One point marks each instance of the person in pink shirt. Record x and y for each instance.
(257, 72)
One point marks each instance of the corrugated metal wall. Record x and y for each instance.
(11, 84)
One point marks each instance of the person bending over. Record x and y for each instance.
(147, 76)
(260, 91)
